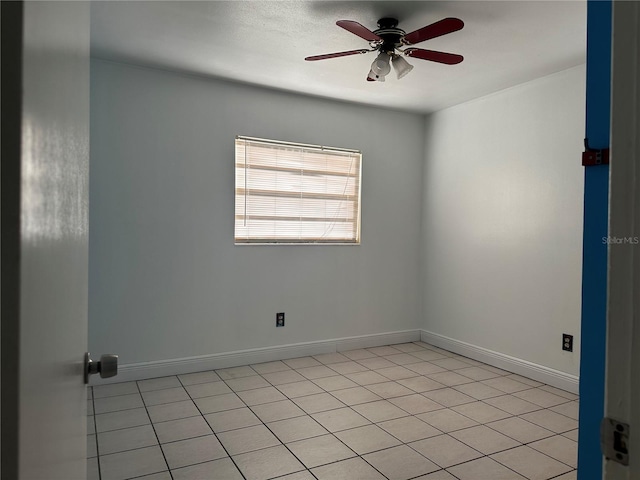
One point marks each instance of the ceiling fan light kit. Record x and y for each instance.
(388, 40)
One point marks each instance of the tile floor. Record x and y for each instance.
(398, 412)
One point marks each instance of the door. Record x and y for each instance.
(45, 165)
(623, 308)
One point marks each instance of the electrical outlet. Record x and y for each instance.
(280, 319)
(567, 342)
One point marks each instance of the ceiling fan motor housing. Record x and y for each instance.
(390, 34)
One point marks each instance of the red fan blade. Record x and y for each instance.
(359, 30)
(432, 55)
(444, 26)
(336, 55)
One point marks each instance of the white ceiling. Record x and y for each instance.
(264, 42)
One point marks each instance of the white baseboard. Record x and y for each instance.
(178, 366)
(543, 374)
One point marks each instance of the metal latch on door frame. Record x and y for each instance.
(614, 440)
(591, 156)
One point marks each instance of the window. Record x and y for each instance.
(294, 193)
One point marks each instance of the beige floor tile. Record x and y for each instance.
(351, 469)
(396, 373)
(270, 367)
(445, 450)
(222, 468)
(425, 368)
(506, 384)
(192, 451)
(571, 435)
(209, 389)
(232, 419)
(384, 350)
(347, 367)
(481, 412)
(236, 372)
(261, 395)
(402, 359)
(448, 397)
(367, 439)
(408, 347)
(92, 446)
(219, 403)
(450, 379)
(366, 378)
(158, 383)
(429, 355)
(329, 358)
(560, 448)
(567, 409)
(298, 428)
(337, 382)
(302, 362)
(157, 476)
(409, 429)
(91, 425)
(439, 475)
(318, 403)
(199, 377)
(182, 429)
(340, 419)
(415, 404)
(376, 363)
(134, 463)
(477, 373)
(90, 409)
(93, 471)
(379, 411)
(173, 411)
(125, 388)
(247, 439)
(479, 391)
(272, 412)
(299, 389)
(484, 469)
(311, 373)
(400, 463)
(512, 405)
(321, 450)
(568, 476)
(421, 384)
(520, 430)
(530, 463)
(540, 397)
(355, 395)
(123, 419)
(268, 463)
(447, 420)
(303, 475)
(559, 392)
(126, 439)
(484, 439)
(168, 395)
(358, 354)
(389, 389)
(551, 421)
(525, 380)
(114, 404)
(450, 363)
(248, 383)
(283, 377)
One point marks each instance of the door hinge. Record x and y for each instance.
(592, 156)
(614, 440)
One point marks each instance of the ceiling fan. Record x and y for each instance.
(388, 40)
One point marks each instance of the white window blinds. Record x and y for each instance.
(293, 193)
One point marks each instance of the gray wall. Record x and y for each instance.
(502, 220)
(166, 280)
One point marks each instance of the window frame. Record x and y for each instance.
(357, 219)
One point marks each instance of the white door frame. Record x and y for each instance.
(622, 388)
